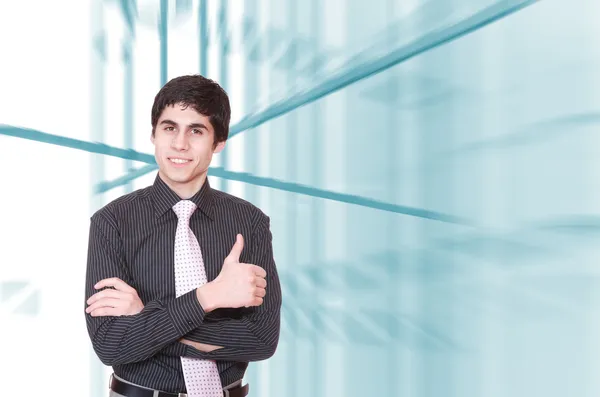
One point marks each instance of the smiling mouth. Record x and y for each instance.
(176, 160)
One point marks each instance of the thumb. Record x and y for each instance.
(236, 251)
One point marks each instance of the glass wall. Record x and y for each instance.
(429, 167)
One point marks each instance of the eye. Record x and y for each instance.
(197, 131)
(169, 128)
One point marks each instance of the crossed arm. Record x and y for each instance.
(182, 326)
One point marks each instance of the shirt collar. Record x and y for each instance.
(164, 198)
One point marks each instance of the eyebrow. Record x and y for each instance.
(193, 125)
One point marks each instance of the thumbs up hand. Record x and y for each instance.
(236, 251)
(239, 284)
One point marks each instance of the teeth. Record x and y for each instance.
(179, 161)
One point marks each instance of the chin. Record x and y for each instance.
(180, 178)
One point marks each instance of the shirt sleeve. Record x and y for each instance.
(127, 339)
(252, 334)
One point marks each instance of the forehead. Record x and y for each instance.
(183, 114)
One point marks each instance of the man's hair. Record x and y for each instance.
(204, 96)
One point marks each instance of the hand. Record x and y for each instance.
(121, 301)
(238, 284)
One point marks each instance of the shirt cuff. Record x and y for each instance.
(186, 312)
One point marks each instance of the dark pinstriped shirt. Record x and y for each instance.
(133, 238)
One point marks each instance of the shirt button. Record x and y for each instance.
(190, 322)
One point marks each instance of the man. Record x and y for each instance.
(182, 291)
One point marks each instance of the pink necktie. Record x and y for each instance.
(201, 376)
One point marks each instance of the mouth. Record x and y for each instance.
(178, 161)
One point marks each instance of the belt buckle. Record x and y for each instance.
(181, 395)
(226, 392)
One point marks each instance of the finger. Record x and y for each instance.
(108, 293)
(260, 292)
(236, 251)
(114, 282)
(106, 302)
(257, 301)
(259, 271)
(260, 282)
(106, 311)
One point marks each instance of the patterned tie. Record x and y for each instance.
(201, 376)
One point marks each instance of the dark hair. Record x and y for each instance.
(204, 96)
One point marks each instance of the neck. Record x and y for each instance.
(187, 189)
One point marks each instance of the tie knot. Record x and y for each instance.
(184, 209)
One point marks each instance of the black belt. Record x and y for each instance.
(129, 390)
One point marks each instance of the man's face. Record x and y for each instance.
(184, 145)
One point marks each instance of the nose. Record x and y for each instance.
(180, 141)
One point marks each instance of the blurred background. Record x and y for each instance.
(430, 168)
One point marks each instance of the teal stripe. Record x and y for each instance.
(129, 12)
(203, 36)
(371, 67)
(220, 172)
(163, 27)
(92, 147)
(356, 73)
(104, 187)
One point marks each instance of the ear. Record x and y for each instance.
(152, 138)
(220, 146)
